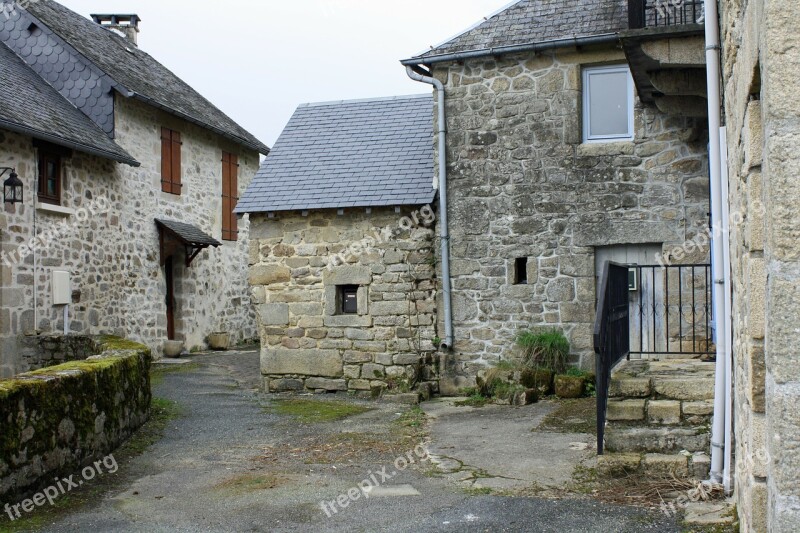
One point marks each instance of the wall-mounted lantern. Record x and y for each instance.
(12, 187)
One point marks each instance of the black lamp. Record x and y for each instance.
(12, 187)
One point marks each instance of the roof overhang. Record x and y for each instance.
(174, 235)
(607, 38)
(66, 143)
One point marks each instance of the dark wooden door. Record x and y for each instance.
(170, 276)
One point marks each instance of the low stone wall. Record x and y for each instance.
(42, 351)
(57, 419)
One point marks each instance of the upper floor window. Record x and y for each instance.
(230, 196)
(49, 189)
(607, 104)
(170, 161)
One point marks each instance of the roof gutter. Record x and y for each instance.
(68, 144)
(607, 38)
(413, 73)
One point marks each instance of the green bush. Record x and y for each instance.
(547, 349)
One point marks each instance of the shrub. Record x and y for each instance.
(548, 349)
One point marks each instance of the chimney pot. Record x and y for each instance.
(126, 25)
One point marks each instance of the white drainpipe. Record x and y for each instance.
(446, 283)
(720, 277)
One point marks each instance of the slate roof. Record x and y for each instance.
(188, 233)
(536, 21)
(359, 153)
(29, 105)
(131, 68)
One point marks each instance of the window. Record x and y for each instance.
(521, 271)
(607, 104)
(347, 299)
(230, 192)
(49, 189)
(170, 161)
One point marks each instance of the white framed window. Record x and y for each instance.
(607, 104)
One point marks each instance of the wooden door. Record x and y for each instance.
(170, 277)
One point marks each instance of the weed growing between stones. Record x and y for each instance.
(314, 411)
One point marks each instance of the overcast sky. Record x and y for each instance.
(257, 60)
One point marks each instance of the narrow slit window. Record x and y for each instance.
(521, 271)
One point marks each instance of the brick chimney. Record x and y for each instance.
(125, 25)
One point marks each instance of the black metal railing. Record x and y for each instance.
(611, 335)
(671, 310)
(661, 13)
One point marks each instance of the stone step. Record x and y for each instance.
(663, 439)
(648, 412)
(654, 465)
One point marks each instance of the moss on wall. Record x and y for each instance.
(56, 419)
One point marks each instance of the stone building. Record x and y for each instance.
(560, 155)
(760, 62)
(106, 140)
(341, 250)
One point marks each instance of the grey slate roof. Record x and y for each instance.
(537, 21)
(359, 153)
(29, 105)
(132, 69)
(188, 233)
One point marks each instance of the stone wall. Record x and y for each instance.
(108, 241)
(523, 185)
(296, 264)
(761, 62)
(59, 419)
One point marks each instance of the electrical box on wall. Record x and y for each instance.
(62, 288)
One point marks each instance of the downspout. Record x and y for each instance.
(719, 232)
(445, 231)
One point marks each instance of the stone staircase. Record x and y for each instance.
(659, 419)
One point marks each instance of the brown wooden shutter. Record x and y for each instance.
(230, 188)
(170, 161)
(166, 160)
(176, 162)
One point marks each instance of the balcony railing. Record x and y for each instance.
(664, 13)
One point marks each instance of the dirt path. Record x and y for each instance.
(236, 460)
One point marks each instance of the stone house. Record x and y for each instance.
(561, 154)
(107, 141)
(341, 248)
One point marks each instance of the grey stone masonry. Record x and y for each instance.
(300, 263)
(523, 185)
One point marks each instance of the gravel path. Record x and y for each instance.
(230, 464)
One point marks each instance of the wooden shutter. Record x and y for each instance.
(170, 161)
(176, 162)
(230, 190)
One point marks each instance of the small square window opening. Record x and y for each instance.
(347, 299)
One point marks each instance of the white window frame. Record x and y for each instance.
(587, 74)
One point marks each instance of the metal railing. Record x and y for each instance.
(663, 13)
(611, 335)
(671, 310)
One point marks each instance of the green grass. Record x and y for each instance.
(546, 349)
(476, 399)
(315, 411)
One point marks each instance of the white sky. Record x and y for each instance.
(257, 60)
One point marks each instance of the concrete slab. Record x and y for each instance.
(391, 491)
(502, 442)
(709, 514)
